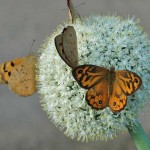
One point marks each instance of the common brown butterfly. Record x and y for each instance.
(106, 87)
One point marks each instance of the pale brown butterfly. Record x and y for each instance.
(106, 87)
(19, 74)
(66, 45)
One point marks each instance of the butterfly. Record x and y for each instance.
(66, 45)
(19, 74)
(106, 88)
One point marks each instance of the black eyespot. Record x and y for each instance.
(80, 71)
(100, 101)
(12, 64)
(4, 67)
(114, 103)
(136, 80)
(9, 74)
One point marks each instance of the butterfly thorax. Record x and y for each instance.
(110, 79)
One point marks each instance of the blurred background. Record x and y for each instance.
(23, 123)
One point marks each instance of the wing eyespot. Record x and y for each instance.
(9, 74)
(136, 80)
(114, 103)
(79, 71)
(100, 102)
(12, 64)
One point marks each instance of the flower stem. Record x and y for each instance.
(140, 138)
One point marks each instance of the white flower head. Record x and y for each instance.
(106, 41)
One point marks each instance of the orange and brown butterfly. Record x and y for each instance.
(106, 88)
(19, 74)
(66, 45)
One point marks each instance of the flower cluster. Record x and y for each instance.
(107, 41)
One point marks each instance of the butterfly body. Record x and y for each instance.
(106, 88)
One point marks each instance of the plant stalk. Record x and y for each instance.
(139, 137)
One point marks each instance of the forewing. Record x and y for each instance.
(22, 80)
(97, 96)
(70, 45)
(128, 81)
(89, 75)
(66, 45)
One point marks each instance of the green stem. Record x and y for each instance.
(140, 138)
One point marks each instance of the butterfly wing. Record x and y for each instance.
(97, 96)
(22, 80)
(66, 45)
(93, 78)
(128, 81)
(89, 75)
(7, 67)
(118, 99)
(125, 83)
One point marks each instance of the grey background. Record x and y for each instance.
(23, 124)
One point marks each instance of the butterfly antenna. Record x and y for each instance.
(32, 46)
(73, 14)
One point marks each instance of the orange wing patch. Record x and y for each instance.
(97, 96)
